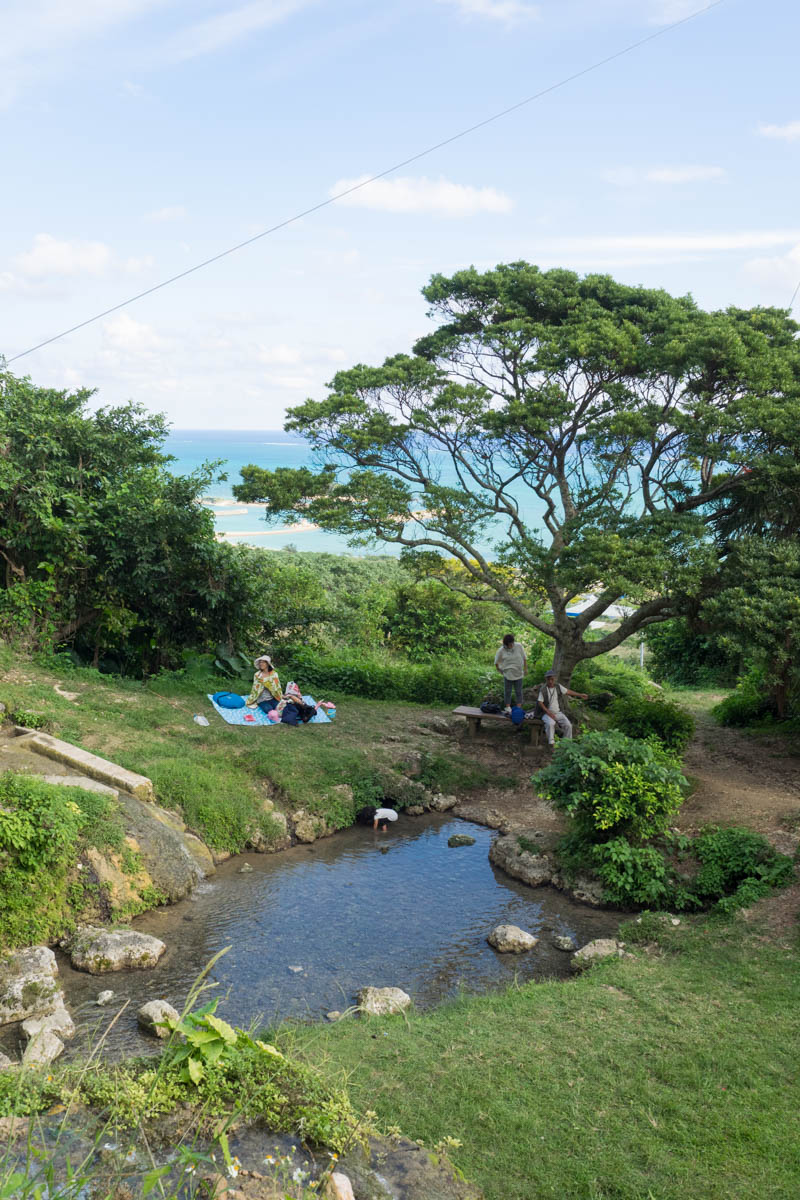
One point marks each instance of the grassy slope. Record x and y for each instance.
(654, 1078)
(219, 775)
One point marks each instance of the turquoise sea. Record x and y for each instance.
(273, 448)
(268, 448)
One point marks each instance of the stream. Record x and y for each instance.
(309, 926)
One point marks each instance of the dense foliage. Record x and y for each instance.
(637, 718)
(551, 432)
(685, 658)
(723, 869)
(613, 786)
(441, 681)
(102, 548)
(43, 829)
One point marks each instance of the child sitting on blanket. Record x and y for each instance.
(266, 692)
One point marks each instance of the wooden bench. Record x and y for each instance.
(474, 717)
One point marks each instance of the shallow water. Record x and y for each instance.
(400, 908)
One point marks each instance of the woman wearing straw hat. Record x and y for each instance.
(266, 692)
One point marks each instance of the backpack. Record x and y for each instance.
(228, 700)
(489, 707)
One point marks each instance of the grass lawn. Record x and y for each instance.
(219, 775)
(669, 1076)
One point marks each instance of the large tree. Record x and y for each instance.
(102, 549)
(554, 435)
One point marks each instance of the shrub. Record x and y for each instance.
(607, 674)
(612, 785)
(43, 830)
(631, 875)
(737, 867)
(684, 658)
(440, 681)
(748, 705)
(671, 725)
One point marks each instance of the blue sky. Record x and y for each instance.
(140, 136)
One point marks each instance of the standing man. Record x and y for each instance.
(512, 664)
(550, 694)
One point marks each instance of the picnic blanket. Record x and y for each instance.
(236, 716)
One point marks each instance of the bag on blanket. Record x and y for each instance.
(228, 700)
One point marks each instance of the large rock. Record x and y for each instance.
(510, 939)
(382, 1002)
(537, 868)
(42, 1049)
(596, 951)
(58, 1022)
(309, 826)
(151, 1015)
(440, 803)
(168, 853)
(461, 839)
(6, 1062)
(99, 950)
(28, 986)
(339, 1187)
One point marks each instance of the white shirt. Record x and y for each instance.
(550, 698)
(511, 661)
(385, 814)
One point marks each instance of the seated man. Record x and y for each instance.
(552, 713)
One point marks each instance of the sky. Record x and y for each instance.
(143, 136)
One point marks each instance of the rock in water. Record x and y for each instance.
(381, 1002)
(42, 1049)
(461, 839)
(58, 1022)
(596, 951)
(510, 939)
(104, 998)
(151, 1015)
(564, 942)
(99, 950)
(28, 986)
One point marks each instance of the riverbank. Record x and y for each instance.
(668, 1074)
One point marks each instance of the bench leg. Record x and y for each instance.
(473, 725)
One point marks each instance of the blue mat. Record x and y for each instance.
(235, 716)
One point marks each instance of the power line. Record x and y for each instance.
(602, 62)
(794, 296)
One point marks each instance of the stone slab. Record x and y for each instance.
(90, 764)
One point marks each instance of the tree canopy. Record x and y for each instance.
(102, 548)
(557, 435)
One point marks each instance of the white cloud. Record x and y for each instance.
(787, 133)
(122, 332)
(507, 12)
(49, 256)
(776, 271)
(279, 355)
(635, 176)
(173, 212)
(421, 195)
(226, 27)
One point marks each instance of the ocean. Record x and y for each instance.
(273, 448)
(237, 522)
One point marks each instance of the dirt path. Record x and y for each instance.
(741, 779)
